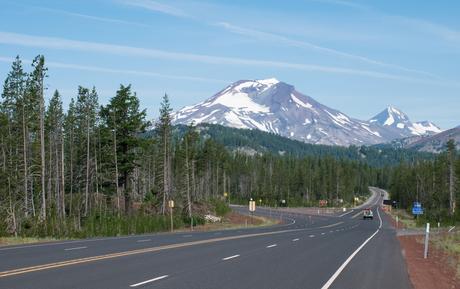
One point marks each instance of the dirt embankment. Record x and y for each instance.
(435, 272)
(438, 271)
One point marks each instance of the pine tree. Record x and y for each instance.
(123, 116)
(86, 111)
(54, 126)
(14, 108)
(451, 150)
(69, 146)
(36, 90)
(163, 130)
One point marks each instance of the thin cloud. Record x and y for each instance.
(91, 17)
(72, 66)
(303, 44)
(73, 45)
(80, 15)
(344, 3)
(438, 30)
(156, 6)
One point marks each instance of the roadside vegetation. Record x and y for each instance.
(434, 183)
(450, 244)
(447, 243)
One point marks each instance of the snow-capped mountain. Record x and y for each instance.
(273, 106)
(398, 125)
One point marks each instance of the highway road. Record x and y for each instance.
(336, 251)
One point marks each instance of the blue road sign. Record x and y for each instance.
(417, 208)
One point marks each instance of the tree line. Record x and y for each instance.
(93, 169)
(434, 183)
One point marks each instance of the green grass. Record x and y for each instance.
(450, 244)
(4, 241)
(404, 218)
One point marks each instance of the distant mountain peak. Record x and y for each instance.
(252, 84)
(399, 123)
(273, 106)
(390, 116)
(397, 112)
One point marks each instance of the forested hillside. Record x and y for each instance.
(92, 169)
(256, 141)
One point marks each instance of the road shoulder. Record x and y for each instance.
(434, 272)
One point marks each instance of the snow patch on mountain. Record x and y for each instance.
(299, 102)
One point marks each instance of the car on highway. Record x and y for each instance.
(367, 214)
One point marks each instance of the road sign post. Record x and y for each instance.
(427, 236)
(171, 206)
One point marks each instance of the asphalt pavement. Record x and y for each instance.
(304, 251)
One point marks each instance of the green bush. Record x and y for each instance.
(220, 207)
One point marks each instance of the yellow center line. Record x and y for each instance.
(132, 252)
(42, 267)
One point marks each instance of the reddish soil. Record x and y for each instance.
(235, 218)
(431, 273)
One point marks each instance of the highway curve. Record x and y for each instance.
(305, 251)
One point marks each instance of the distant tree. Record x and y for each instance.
(86, 110)
(36, 93)
(54, 124)
(14, 140)
(185, 159)
(451, 150)
(69, 147)
(123, 115)
(163, 131)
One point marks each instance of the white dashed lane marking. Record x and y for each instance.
(230, 257)
(144, 240)
(149, 281)
(75, 248)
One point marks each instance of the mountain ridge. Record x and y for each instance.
(273, 106)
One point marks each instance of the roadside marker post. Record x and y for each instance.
(252, 208)
(427, 235)
(171, 206)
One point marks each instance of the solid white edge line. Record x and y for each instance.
(230, 257)
(271, 246)
(75, 248)
(148, 281)
(337, 273)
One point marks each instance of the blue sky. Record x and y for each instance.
(355, 56)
